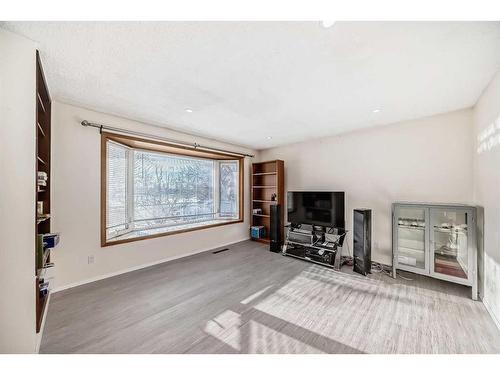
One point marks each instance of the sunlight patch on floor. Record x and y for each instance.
(225, 327)
(263, 339)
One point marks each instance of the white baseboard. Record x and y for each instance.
(108, 275)
(492, 314)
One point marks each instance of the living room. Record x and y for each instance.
(250, 187)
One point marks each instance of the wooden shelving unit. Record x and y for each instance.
(43, 148)
(267, 179)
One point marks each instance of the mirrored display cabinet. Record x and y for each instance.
(436, 240)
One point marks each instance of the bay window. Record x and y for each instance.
(152, 189)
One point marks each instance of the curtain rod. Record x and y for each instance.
(194, 145)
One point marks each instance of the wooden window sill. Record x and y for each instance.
(167, 231)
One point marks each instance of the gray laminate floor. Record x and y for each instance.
(248, 300)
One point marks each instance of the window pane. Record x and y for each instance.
(171, 190)
(228, 188)
(116, 217)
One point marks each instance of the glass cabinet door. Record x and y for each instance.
(450, 243)
(411, 238)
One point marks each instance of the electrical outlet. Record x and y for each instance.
(90, 259)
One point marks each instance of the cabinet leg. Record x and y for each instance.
(474, 292)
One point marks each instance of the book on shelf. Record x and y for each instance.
(50, 240)
(40, 218)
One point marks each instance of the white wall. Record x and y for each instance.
(17, 194)
(487, 190)
(427, 160)
(76, 203)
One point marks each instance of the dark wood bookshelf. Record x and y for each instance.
(43, 150)
(267, 179)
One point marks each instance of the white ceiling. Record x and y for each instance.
(247, 81)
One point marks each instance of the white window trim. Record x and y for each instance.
(216, 185)
(127, 224)
(220, 162)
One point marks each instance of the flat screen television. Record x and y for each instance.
(325, 208)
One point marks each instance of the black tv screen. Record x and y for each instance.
(325, 208)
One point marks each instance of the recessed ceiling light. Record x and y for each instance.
(376, 110)
(327, 23)
(188, 110)
(269, 137)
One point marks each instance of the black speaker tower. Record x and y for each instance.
(362, 260)
(275, 229)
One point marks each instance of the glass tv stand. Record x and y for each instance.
(320, 245)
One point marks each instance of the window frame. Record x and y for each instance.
(218, 193)
(149, 145)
